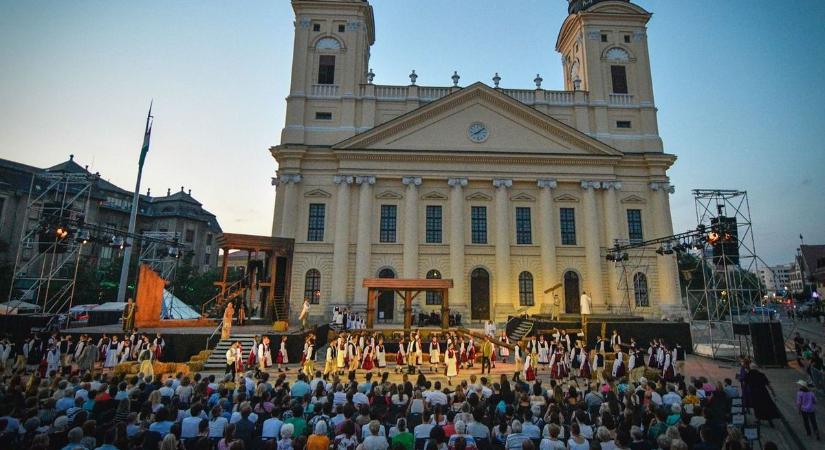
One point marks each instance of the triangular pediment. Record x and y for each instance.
(522, 197)
(317, 193)
(434, 195)
(389, 195)
(479, 196)
(634, 199)
(568, 198)
(511, 127)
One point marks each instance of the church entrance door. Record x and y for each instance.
(572, 293)
(480, 294)
(386, 301)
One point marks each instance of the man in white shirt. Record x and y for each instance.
(671, 398)
(167, 390)
(436, 397)
(422, 431)
(271, 429)
(189, 425)
(360, 398)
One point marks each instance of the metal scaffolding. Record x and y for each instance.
(727, 287)
(48, 253)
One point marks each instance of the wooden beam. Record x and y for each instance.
(371, 297)
(482, 337)
(445, 309)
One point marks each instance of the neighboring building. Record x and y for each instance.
(110, 206)
(776, 278)
(809, 270)
(508, 192)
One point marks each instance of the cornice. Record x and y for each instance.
(503, 158)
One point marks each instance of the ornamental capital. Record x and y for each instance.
(591, 184)
(547, 183)
(663, 186)
(502, 182)
(457, 182)
(345, 179)
(411, 181)
(365, 180)
(286, 178)
(615, 185)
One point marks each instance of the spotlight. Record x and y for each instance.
(173, 251)
(713, 237)
(117, 241)
(83, 236)
(61, 232)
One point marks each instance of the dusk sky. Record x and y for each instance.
(739, 87)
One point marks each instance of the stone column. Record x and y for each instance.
(289, 219)
(670, 303)
(547, 240)
(340, 245)
(502, 237)
(612, 232)
(363, 244)
(592, 247)
(457, 242)
(410, 264)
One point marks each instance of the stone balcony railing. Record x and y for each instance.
(431, 93)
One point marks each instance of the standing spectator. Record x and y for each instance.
(806, 403)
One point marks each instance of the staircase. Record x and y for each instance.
(280, 308)
(214, 306)
(518, 328)
(217, 360)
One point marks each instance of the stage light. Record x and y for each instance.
(83, 236)
(61, 232)
(173, 251)
(713, 237)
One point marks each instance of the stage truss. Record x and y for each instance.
(727, 289)
(47, 259)
(638, 261)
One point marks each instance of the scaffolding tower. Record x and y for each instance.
(727, 287)
(48, 254)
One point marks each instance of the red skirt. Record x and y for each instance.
(531, 374)
(367, 364)
(279, 358)
(400, 359)
(585, 370)
(250, 361)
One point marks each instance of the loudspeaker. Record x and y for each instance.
(726, 250)
(768, 344)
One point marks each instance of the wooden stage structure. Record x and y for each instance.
(408, 289)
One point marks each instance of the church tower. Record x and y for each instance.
(330, 61)
(603, 44)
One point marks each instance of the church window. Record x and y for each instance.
(634, 225)
(433, 234)
(316, 27)
(341, 28)
(190, 235)
(618, 75)
(524, 229)
(627, 39)
(640, 290)
(623, 124)
(323, 115)
(328, 43)
(326, 69)
(604, 37)
(567, 225)
(312, 286)
(315, 226)
(525, 289)
(434, 297)
(388, 223)
(478, 224)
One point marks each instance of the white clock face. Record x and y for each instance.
(477, 132)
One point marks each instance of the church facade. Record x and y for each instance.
(514, 194)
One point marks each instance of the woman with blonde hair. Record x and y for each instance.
(170, 442)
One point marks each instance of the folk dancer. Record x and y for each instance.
(226, 326)
(282, 358)
(598, 366)
(558, 370)
(381, 354)
(126, 352)
(330, 361)
(145, 362)
(435, 354)
(239, 359)
(529, 370)
(543, 352)
(264, 354)
(504, 352)
(354, 356)
(668, 371)
(252, 358)
(601, 345)
(88, 357)
(451, 361)
(618, 364)
(231, 356)
(564, 338)
(401, 356)
(129, 312)
(487, 353)
(419, 351)
(52, 360)
(651, 354)
(615, 339)
(112, 353)
(160, 346)
(411, 354)
(584, 364)
(304, 316)
(471, 353)
(679, 357)
(517, 359)
(367, 358)
(340, 355)
(309, 357)
(660, 355)
(462, 352)
(575, 360)
(66, 352)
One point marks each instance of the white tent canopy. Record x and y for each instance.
(174, 308)
(18, 306)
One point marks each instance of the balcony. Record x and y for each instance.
(324, 91)
(621, 99)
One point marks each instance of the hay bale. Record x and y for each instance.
(280, 326)
(182, 368)
(124, 369)
(195, 366)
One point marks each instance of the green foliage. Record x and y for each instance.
(194, 287)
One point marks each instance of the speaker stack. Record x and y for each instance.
(768, 344)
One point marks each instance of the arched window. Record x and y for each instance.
(525, 289)
(640, 289)
(312, 286)
(434, 297)
(617, 54)
(328, 43)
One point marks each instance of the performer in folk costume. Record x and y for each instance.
(366, 359)
(575, 360)
(544, 351)
(401, 356)
(329, 361)
(238, 358)
(565, 340)
(304, 316)
(419, 351)
(381, 354)
(410, 352)
(340, 355)
(129, 312)
(112, 353)
(252, 358)
(517, 358)
(618, 363)
(529, 371)
(598, 366)
(660, 355)
(532, 345)
(668, 371)
(601, 345)
(264, 353)
(503, 351)
(651, 354)
(451, 360)
(471, 352)
(52, 360)
(354, 356)
(435, 354)
(231, 355)
(309, 357)
(678, 356)
(615, 339)
(493, 355)
(282, 358)
(65, 349)
(226, 327)
(145, 360)
(126, 352)
(160, 346)
(584, 364)
(462, 352)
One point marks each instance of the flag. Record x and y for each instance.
(146, 136)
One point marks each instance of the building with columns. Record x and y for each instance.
(509, 192)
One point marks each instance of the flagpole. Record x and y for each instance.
(128, 242)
